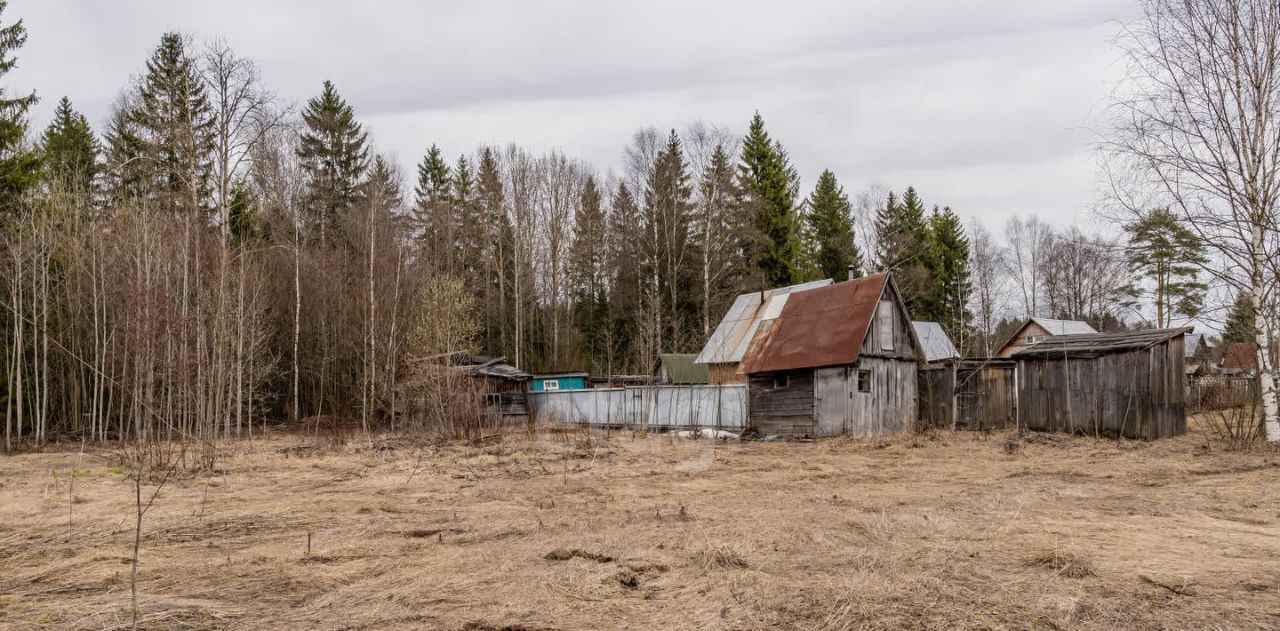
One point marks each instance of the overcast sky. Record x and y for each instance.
(987, 106)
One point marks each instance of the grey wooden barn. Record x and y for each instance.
(1130, 384)
(837, 359)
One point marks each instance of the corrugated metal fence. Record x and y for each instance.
(646, 407)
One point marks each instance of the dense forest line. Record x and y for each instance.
(215, 256)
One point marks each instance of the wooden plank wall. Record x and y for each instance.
(890, 407)
(1136, 394)
(724, 373)
(985, 398)
(787, 411)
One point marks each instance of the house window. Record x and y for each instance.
(864, 381)
(884, 320)
(781, 383)
(493, 398)
(1034, 339)
(551, 384)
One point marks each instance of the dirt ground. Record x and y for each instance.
(576, 530)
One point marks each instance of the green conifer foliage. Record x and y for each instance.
(70, 150)
(1166, 252)
(334, 156)
(770, 185)
(830, 218)
(19, 165)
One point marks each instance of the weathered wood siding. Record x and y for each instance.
(984, 397)
(784, 411)
(724, 373)
(900, 325)
(890, 406)
(1136, 394)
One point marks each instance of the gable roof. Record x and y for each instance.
(728, 344)
(1093, 344)
(820, 327)
(682, 369)
(1063, 327)
(934, 341)
(1193, 343)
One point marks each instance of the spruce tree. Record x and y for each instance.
(498, 296)
(70, 151)
(125, 171)
(625, 258)
(433, 211)
(830, 219)
(245, 221)
(1166, 252)
(175, 122)
(335, 158)
(19, 165)
(901, 245)
(667, 215)
(769, 187)
(1240, 326)
(587, 259)
(947, 263)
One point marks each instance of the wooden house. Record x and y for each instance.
(1130, 384)
(726, 347)
(842, 358)
(490, 383)
(680, 369)
(1040, 329)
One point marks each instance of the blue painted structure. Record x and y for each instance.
(561, 381)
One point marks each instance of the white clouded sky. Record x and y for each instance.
(986, 106)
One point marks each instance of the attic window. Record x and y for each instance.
(1034, 339)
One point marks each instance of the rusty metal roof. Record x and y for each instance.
(818, 327)
(728, 344)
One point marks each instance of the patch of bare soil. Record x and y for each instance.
(577, 530)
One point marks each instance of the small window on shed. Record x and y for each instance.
(864, 381)
(551, 384)
(781, 382)
(493, 398)
(884, 323)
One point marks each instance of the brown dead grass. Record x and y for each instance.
(574, 530)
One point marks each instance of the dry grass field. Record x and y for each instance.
(575, 530)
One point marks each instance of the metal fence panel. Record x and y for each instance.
(665, 407)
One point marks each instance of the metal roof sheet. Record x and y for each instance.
(934, 341)
(818, 327)
(1099, 343)
(728, 344)
(682, 369)
(1064, 327)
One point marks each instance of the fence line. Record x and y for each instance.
(646, 407)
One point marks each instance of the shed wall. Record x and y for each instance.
(786, 410)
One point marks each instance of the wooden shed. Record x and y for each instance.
(837, 359)
(976, 394)
(1129, 384)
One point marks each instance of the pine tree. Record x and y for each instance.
(175, 123)
(769, 186)
(947, 262)
(901, 241)
(434, 211)
(70, 151)
(335, 158)
(830, 219)
(19, 165)
(1240, 326)
(1169, 254)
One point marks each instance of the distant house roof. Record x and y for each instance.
(1240, 356)
(560, 375)
(1064, 327)
(475, 365)
(934, 341)
(1093, 344)
(819, 327)
(1193, 343)
(728, 344)
(683, 369)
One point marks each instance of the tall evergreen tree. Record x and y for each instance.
(901, 242)
(947, 262)
(498, 297)
(830, 218)
(588, 257)
(70, 150)
(434, 211)
(726, 238)
(769, 186)
(175, 122)
(667, 217)
(627, 282)
(1164, 251)
(124, 171)
(19, 165)
(335, 158)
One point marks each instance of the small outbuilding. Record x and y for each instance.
(976, 393)
(837, 359)
(680, 369)
(558, 381)
(934, 342)
(1130, 384)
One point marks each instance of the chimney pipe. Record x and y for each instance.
(850, 273)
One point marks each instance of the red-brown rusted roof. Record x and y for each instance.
(1240, 355)
(818, 327)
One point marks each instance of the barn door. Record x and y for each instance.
(831, 391)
